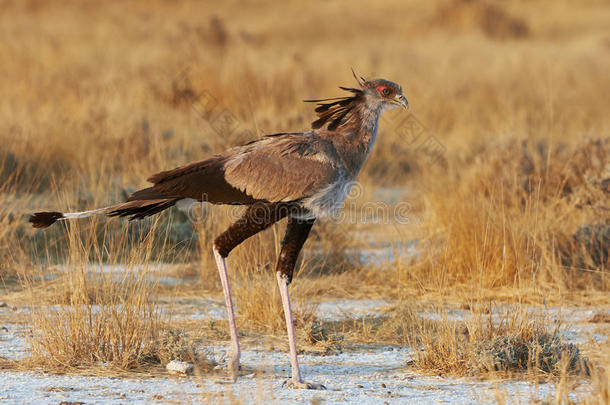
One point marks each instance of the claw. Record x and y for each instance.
(290, 383)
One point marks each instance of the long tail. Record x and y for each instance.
(135, 209)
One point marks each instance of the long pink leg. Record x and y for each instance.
(296, 381)
(233, 364)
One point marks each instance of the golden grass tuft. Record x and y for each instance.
(511, 341)
(98, 317)
(524, 215)
(118, 334)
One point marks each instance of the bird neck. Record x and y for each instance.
(367, 125)
(357, 142)
(350, 124)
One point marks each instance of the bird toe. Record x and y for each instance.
(302, 385)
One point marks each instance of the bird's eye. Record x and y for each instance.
(385, 91)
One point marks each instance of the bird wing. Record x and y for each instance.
(279, 167)
(283, 167)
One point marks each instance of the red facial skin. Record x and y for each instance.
(381, 90)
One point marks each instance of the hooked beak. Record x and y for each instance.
(402, 101)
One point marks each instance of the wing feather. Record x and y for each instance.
(278, 167)
(285, 168)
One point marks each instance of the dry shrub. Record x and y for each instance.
(95, 318)
(516, 353)
(513, 341)
(175, 344)
(319, 338)
(588, 247)
(117, 334)
(505, 341)
(597, 389)
(518, 215)
(600, 379)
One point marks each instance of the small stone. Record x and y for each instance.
(3, 304)
(360, 386)
(179, 367)
(383, 385)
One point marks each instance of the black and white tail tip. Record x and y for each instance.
(45, 219)
(48, 218)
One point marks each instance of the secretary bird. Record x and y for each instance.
(302, 176)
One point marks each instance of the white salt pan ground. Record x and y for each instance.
(372, 377)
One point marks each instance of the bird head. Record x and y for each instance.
(382, 92)
(373, 95)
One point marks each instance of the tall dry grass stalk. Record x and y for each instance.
(526, 216)
(93, 315)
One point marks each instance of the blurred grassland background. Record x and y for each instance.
(512, 205)
(99, 95)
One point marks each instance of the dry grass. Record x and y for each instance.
(92, 319)
(100, 319)
(513, 341)
(508, 341)
(513, 207)
(601, 388)
(570, 390)
(514, 219)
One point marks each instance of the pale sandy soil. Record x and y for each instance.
(373, 375)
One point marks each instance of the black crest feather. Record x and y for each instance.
(335, 110)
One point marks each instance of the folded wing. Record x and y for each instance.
(281, 167)
(286, 167)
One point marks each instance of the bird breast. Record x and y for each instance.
(328, 200)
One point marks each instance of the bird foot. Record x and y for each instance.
(290, 383)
